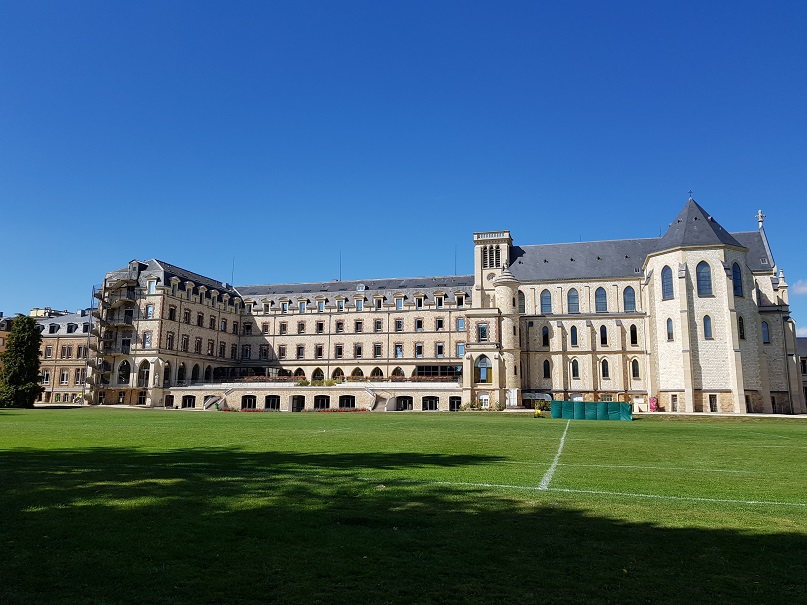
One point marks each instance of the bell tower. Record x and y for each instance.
(491, 257)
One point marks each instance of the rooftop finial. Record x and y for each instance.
(760, 218)
(690, 194)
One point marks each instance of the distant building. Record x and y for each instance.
(65, 355)
(694, 321)
(5, 330)
(801, 343)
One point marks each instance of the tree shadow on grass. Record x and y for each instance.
(117, 525)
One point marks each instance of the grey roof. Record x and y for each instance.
(695, 227)
(581, 260)
(801, 346)
(759, 257)
(164, 272)
(387, 287)
(79, 318)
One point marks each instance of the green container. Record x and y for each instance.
(556, 409)
(625, 411)
(591, 410)
(613, 410)
(602, 410)
(579, 410)
(568, 409)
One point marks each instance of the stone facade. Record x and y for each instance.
(694, 321)
(65, 355)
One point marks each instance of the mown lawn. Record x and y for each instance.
(118, 506)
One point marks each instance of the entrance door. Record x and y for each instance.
(297, 403)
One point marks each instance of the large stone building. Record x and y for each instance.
(65, 354)
(696, 320)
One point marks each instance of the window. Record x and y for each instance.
(284, 307)
(766, 337)
(320, 306)
(707, 327)
(265, 328)
(169, 341)
(322, 402)
(418, 325)
(338, 351)
(522, 303)
(318, 351)
(461, 349)
(419, 302)
(358, 326)
(284, 327)
(634, 335)
(340, 305)
(124, 371)
(281, 352)
(78, 379)
(200, 320)
(674, 402)
(604, 336)
(482, 370)
(546, 302)
(482, 332)
(737, 279)
(378, 325)
(575, 369)
(429, 404)
(233, 351)
(46, 377)
(634, 369)
(377, 304)
(399, 325)
(359, 304)
(666, 283)
(460, 301)
(235, 327)
(48, 351)
(741, 327)
(271, 402)
(249, 402)
(210, 347)
(149, 311)
(301, 327)
(669, 329)
(439, 323)
(301, 306)
(212, 322)
(418, 349)
(223, 325)
(438, 302)
(399, 304)
(573, 335)
(197, 346)
(186, 316)
(172, 313)
(247, 329)
(438, 350)
(347, 402)
(340, 327)
(398, 350)
(547, 369)
(605, 371)
(703, 273)
(545, 336)
(222, 349)
(266, 308)
(146, 340)
(629, 299)
(600, 301)
(263, 351)
(712, 403)
(460, 324)
(184, 346)
(357, 350)
(300, 351)
(320, 327)
(377, 350)
(152, 286)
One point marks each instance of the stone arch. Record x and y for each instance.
(124, 372)
(195, 372)
(483, 370)
(167, 375)
(398, 373)
(318, 374)
(376, 373)
(208, 374)
(143, 373)
(181, 373)
(299, 373)
(357, 373)
(338, 374)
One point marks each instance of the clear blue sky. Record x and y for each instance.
(279, 133)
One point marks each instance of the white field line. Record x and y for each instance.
(547, 478)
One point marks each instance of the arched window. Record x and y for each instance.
(605, 372)
(741, 327)
(376, 373)
(666, 283)
(669, 329)
(707, 326)
(575, 369)
(318, 374)
(634, 368)
(357, 373)
(737, 279)
(604, 336)
(544, 336)
(484, 257)
(573, 301)
(338, 374)
(143, 375)
(546, 302)
(634, 335)
(299, 373)
(629, 299)
(195, 373)
(547, 369)
(208, 374)
(181, 373)
(573, 335)
(482, 369)
(600, 301)
(522, 303)
(124, 372)
(766, 335)
(703, 273)
(398, 373)
(167, 376)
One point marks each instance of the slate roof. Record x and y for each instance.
(801, 346)
(695, 227)
(759, 257)
(63, 320)
(164, 271)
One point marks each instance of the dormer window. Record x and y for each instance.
(460, 301)
(249, 307)
(321, 306)
(399, 304)
(419, 302)
(152, 286)
(53, 328)
(284, 307)
(377, 304)
(302, 306)
(359, 304)
(340, 305)
(438, 302)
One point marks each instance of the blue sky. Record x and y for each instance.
(274, 135)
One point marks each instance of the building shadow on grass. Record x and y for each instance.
(117, 525)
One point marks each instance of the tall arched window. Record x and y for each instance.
(707, 326)
(666, 283)
(737, 279)
(547, 369)
(629, 299)
(484, 257)
(575, 369)
(124, 371)
(143, 375)
(573, 335)
(482, 369)
(604, 336)
(634, 335)
(318, 374)
(544, 336)
(522, 303)
(634, 369)
(766, 335)
(605, 372)
(546, 302)
(669, 329)
(741, 327)
(703, 273)
(600, 300)
(573, 301)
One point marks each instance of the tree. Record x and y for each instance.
(19, 375)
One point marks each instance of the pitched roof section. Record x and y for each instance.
(695, 227)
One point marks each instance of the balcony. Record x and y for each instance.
(116, 350)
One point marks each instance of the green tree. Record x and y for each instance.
(19, 376)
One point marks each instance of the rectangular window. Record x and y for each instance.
(284, 307)
(359, 305)
(337, 351)
(222, 349)
(197, 346)
(185, 343)
(146, 340)
(233, 351)
(200, 320)
(340, 305)
(284, 327)
(301, 306)
(418, 349)
(149, 311)
(152, 286)
(439, 323)
(482, 332)
(211, 347)
(399, 304)
(321, 306)
(320, 327)
(247, 329)
(172, 313)
(438, 349)
(460, 324)
(46, 377)
(357, 350)
(377, 325)
(377, 304)
(398, 350)
(235, 327)
(301, 327)
(418, 325)
(460, 301)
(318, 351)
(359, 326)
(377, 350)
(712, 403)
(419, 302)
(340, 327)
(77, 377)
(246, 352)
(248, 307)
(263, 351)
(223, 325)
(265, 328)
(399, 325)
(48, 351)
(460, 349)
(64, 377)
(438, 302)
(281, 352)
(169, 341)
(266, 308)
(300, 351)
(211, 324)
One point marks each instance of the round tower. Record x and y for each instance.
(506, 291)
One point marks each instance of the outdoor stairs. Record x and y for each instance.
(213, 401)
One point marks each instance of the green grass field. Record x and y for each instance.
(118, 506)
